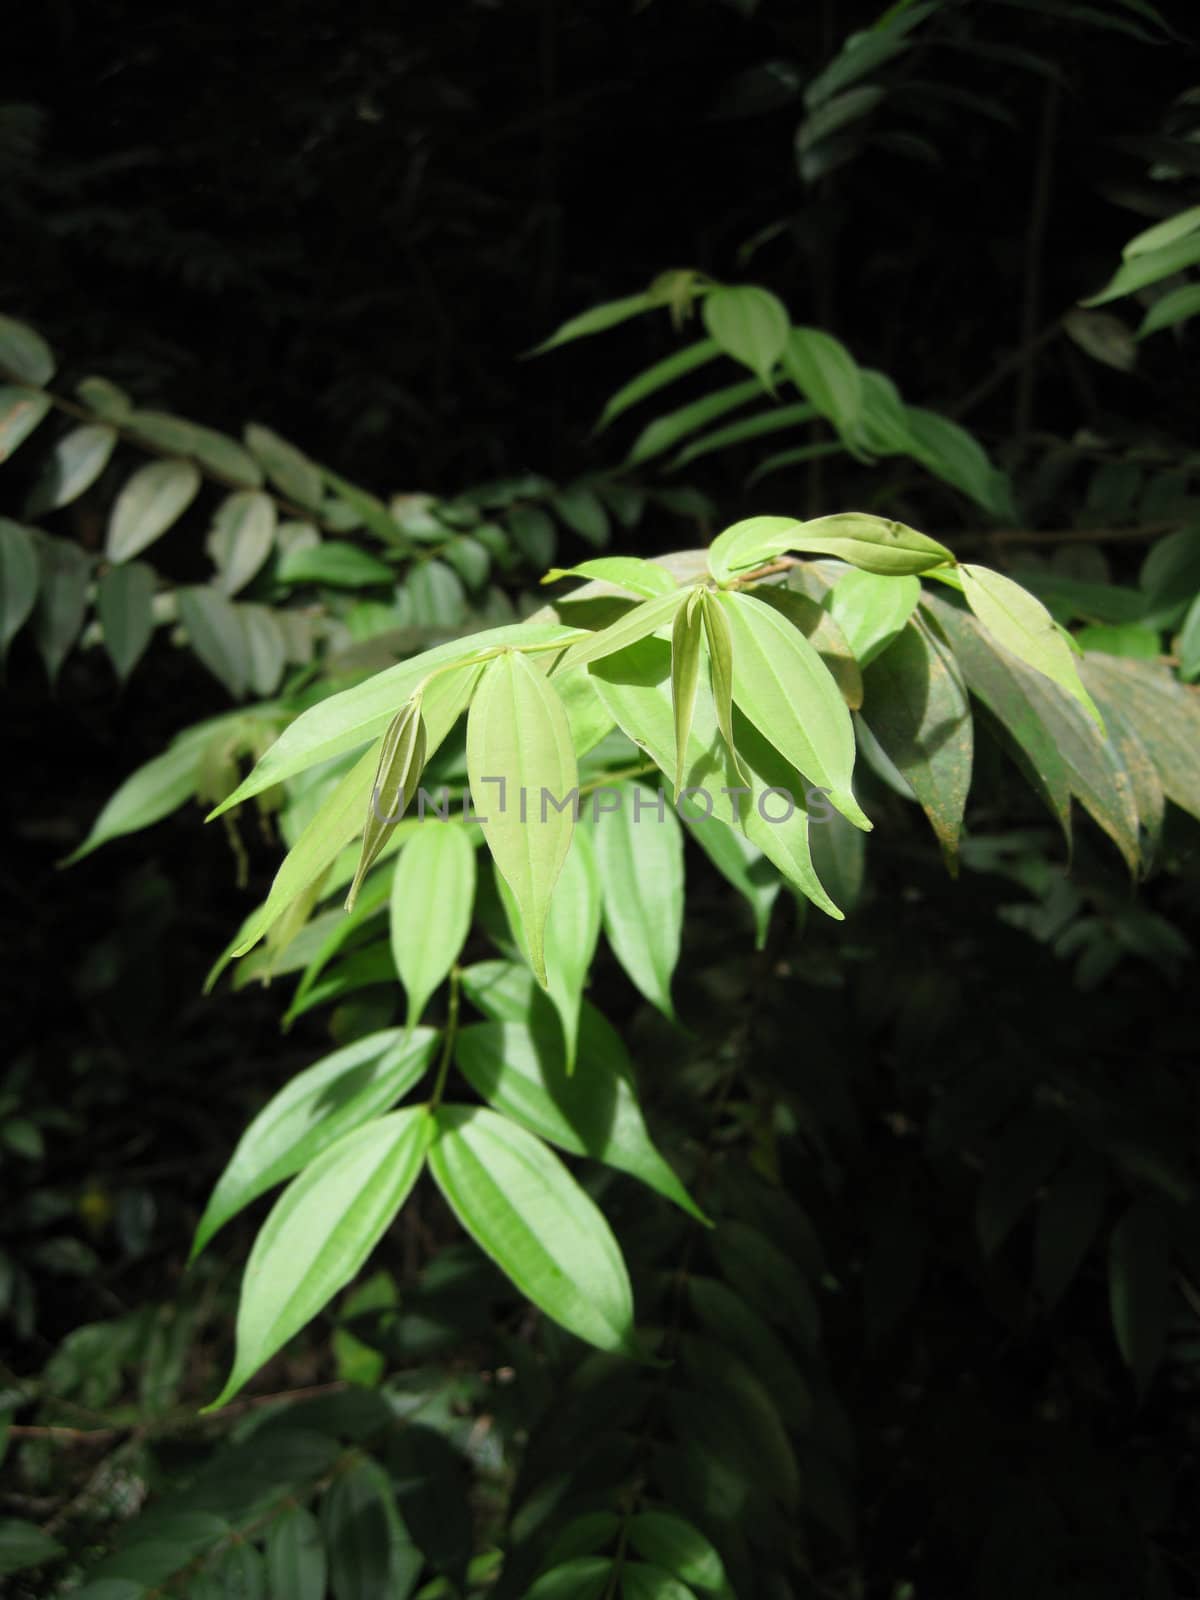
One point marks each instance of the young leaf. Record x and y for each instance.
(124, 604)
(640, 861)
(241, 538)
(873, 544)
(18, 581)
(916, 706)
(320, 1232)
(522, 1072)
(63, 573)
(433, 895)
(522, 768)
(633, 625)
(1139, 1287)
(782, 686)
(626, 572)
(1025, 628)
(523, 1208)
(720, 665)
(312, 1112)
(750, 544)
(750, 324)
(685, 676)
(402, 758)
(74, 464)
(871, 610)
(347, 720)
(155, 497)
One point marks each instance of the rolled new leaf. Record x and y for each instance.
(401, 762)
(685, 676)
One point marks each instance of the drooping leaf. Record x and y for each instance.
(433, 896)
(214, 628)
(1020, 623)
(665, 432)
(20, 412)
(155, 497)
(521, 1071)
(915, 704)
(686, 634)
(749, 544)
(76, 461)
(347, 720)
(402, 756)
(241, 538)
(63, 573)
(662, 373)
(523, 1208)
(124, 604)
(782, 686)
(827, 374)
(521, 765)
(872, 610)
(320, 1232)
(312, 1112)
(18, 581)
(1139, 1287)
(640, 861)
(750, 324)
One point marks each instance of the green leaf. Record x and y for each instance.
(320, 1232)
(346, 720)
(626, 572)
(241, 538)
(727, 1316)
(436, 594)
(523, 1208)
(23, 1544)
(266, 647)
(950, 453)
(534, 534)
(18, 581)
(1139, 1288)
(295, 1556)
(76, 461)
(20, 412)
(24, 354)
(750, 324)
(1189, 643)
(583, 512)
(734, 433)
(214, 629)
(585, 1578)
(572, 930)
(686, 634)
(162, 431)
(873, 544)
(124, 604)
(824, 370)
(312, 1112)
(402, 757)
(521, 1070)
(662, 373)
(1150, 266)
(433, 896)
(1163, 233)
(871, 610)
(1068, 1220)
(371, 1553)
(224, 457)
(784, 688)
(640, 860)
(666, 431)
(596, 320)
(155, 497)
(822, 632)
(631, 626)
(720, 664)
(749, 544)
(335, 565)
(288, 468)
(63, 574)
(1178, 305)
(673, 1544)
(154, 790)
(915, 704)
(1165, 715)
(107, 400)
(1020, 623)
(521, 765)
(642, 1581)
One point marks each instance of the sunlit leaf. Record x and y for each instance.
(433, 895)
(686, 634)
(1020, 623)
(124, 604)
(641, 890)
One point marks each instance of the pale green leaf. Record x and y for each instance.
(626, 572)
(24, 354)
(214, 629)
(598, 319)
(666, 431)
(1163, 233)
(266, 647)
(873, 544)
(749, 544)
(662, 373)
(106, 399)
(686, 634)
(750, 324)
(871, 610)
(1150, 266)
(155, 497)
(631, 626)
(640, 861)
(124, 604)
(523, 1208)
(433, 895)
(242, 534)
(288, 468)
(20, 412)
(1176, 306)
(312, 1112)
(321, 1231)
(76, 461)
(1021, 623)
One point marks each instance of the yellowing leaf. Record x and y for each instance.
(523, 776)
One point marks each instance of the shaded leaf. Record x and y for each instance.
(241, 538)
(20, 412)
(76, 461)
(1068, 1220)
(19, 576)
(433, 896)
(63, 574)
(215, 632)
(124, 604)
(640, 861)
(1139, 1287)
(155, 497)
